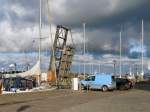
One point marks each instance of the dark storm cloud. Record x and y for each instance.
(103, 21)
(20, 13)
(98, 13)
(18, 24)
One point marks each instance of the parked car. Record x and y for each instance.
(101, 81)
(123, 84)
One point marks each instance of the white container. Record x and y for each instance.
(75, 82)
(43, 76)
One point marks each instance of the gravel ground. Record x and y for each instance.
(135, 100)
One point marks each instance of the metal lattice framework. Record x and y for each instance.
(66, 61)
(62, 54)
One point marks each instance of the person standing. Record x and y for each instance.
(1, 85)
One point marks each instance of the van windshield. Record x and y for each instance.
(90, 78)
(113, 78)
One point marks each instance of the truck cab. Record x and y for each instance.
(101, 81)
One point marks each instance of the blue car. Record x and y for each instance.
(101, 81)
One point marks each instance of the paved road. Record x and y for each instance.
(68, 101)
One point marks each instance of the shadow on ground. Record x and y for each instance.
(17, 102)
(23, 108)
(145, 85)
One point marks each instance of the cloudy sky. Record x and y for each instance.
(19, 21)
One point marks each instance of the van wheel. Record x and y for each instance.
(121, 87)
(104, 88)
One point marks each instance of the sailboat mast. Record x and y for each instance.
(120, 69)
(142, 59)
(40, 35)
(84, 46)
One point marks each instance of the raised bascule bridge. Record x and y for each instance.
(61, 59)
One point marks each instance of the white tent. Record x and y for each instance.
(35, 70)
